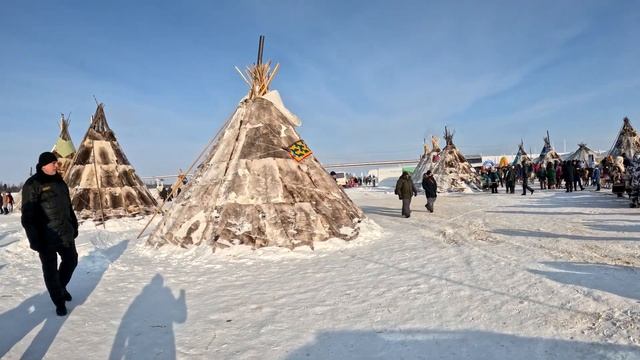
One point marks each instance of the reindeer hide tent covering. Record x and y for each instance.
(521, 155)
(453, 173)
(63, 148)
(548, 153)
(427, 161)
(115, 190)
(250, 191)
(627, 142)
(583, 153)
(259, 183)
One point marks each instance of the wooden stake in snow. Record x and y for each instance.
(95, 171)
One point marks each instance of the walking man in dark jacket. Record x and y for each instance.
(430, 187)
(405, 189)
(568, 171)
(51, 227)
(510, 178)
(526, 171)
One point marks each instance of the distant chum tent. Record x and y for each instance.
(64, 149)
(428, 159)
(583, 154)
(453, 172)
(548, 153)
(102, 182)
(521, 155)
(627, 142)
(259, 184)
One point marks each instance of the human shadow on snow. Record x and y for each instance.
(146, 329)
(37, 309)
(615, 279)
(452, 345)
(551, 236)
(395, 212)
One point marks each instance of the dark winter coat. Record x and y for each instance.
(511, 176)
(567, 172)
(405, 188)
(47, 215)
(430, 186)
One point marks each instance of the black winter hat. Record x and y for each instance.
(46, 158)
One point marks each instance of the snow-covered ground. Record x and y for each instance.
(548, 276)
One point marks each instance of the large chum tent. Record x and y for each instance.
(453, 172)
(627, 142)
(102, 182)
(428, 159)
(259, 184)
(584, 154)
(63, 148)
(521, 155)
(548, 153)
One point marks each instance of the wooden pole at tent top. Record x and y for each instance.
(260, 50)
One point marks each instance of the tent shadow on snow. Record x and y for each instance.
(38, 308)
(574, 200)
(615, 279)
(440, 344)
(553, 236)
(146, 329)
(554, 213)
(628, 228)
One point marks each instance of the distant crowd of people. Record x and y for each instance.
(355, 181)
(621, 174)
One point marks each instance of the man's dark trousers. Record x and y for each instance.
(56, 279)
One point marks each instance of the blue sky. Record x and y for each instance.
(370, 79)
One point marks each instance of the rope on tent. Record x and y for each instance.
(209, 145)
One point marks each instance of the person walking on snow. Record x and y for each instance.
(51, 227)
(430, 187)
(596, 177)
(405, 189)
(526, 172)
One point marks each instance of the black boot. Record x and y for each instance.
(67, 296)
(61, 310)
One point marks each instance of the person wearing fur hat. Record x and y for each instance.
(51, 227)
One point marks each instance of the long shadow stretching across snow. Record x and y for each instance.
(146, 330)
(21, 320)
(452, 345)
(614, 279)
(574, 200)
(552, 236)
(391, 212)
